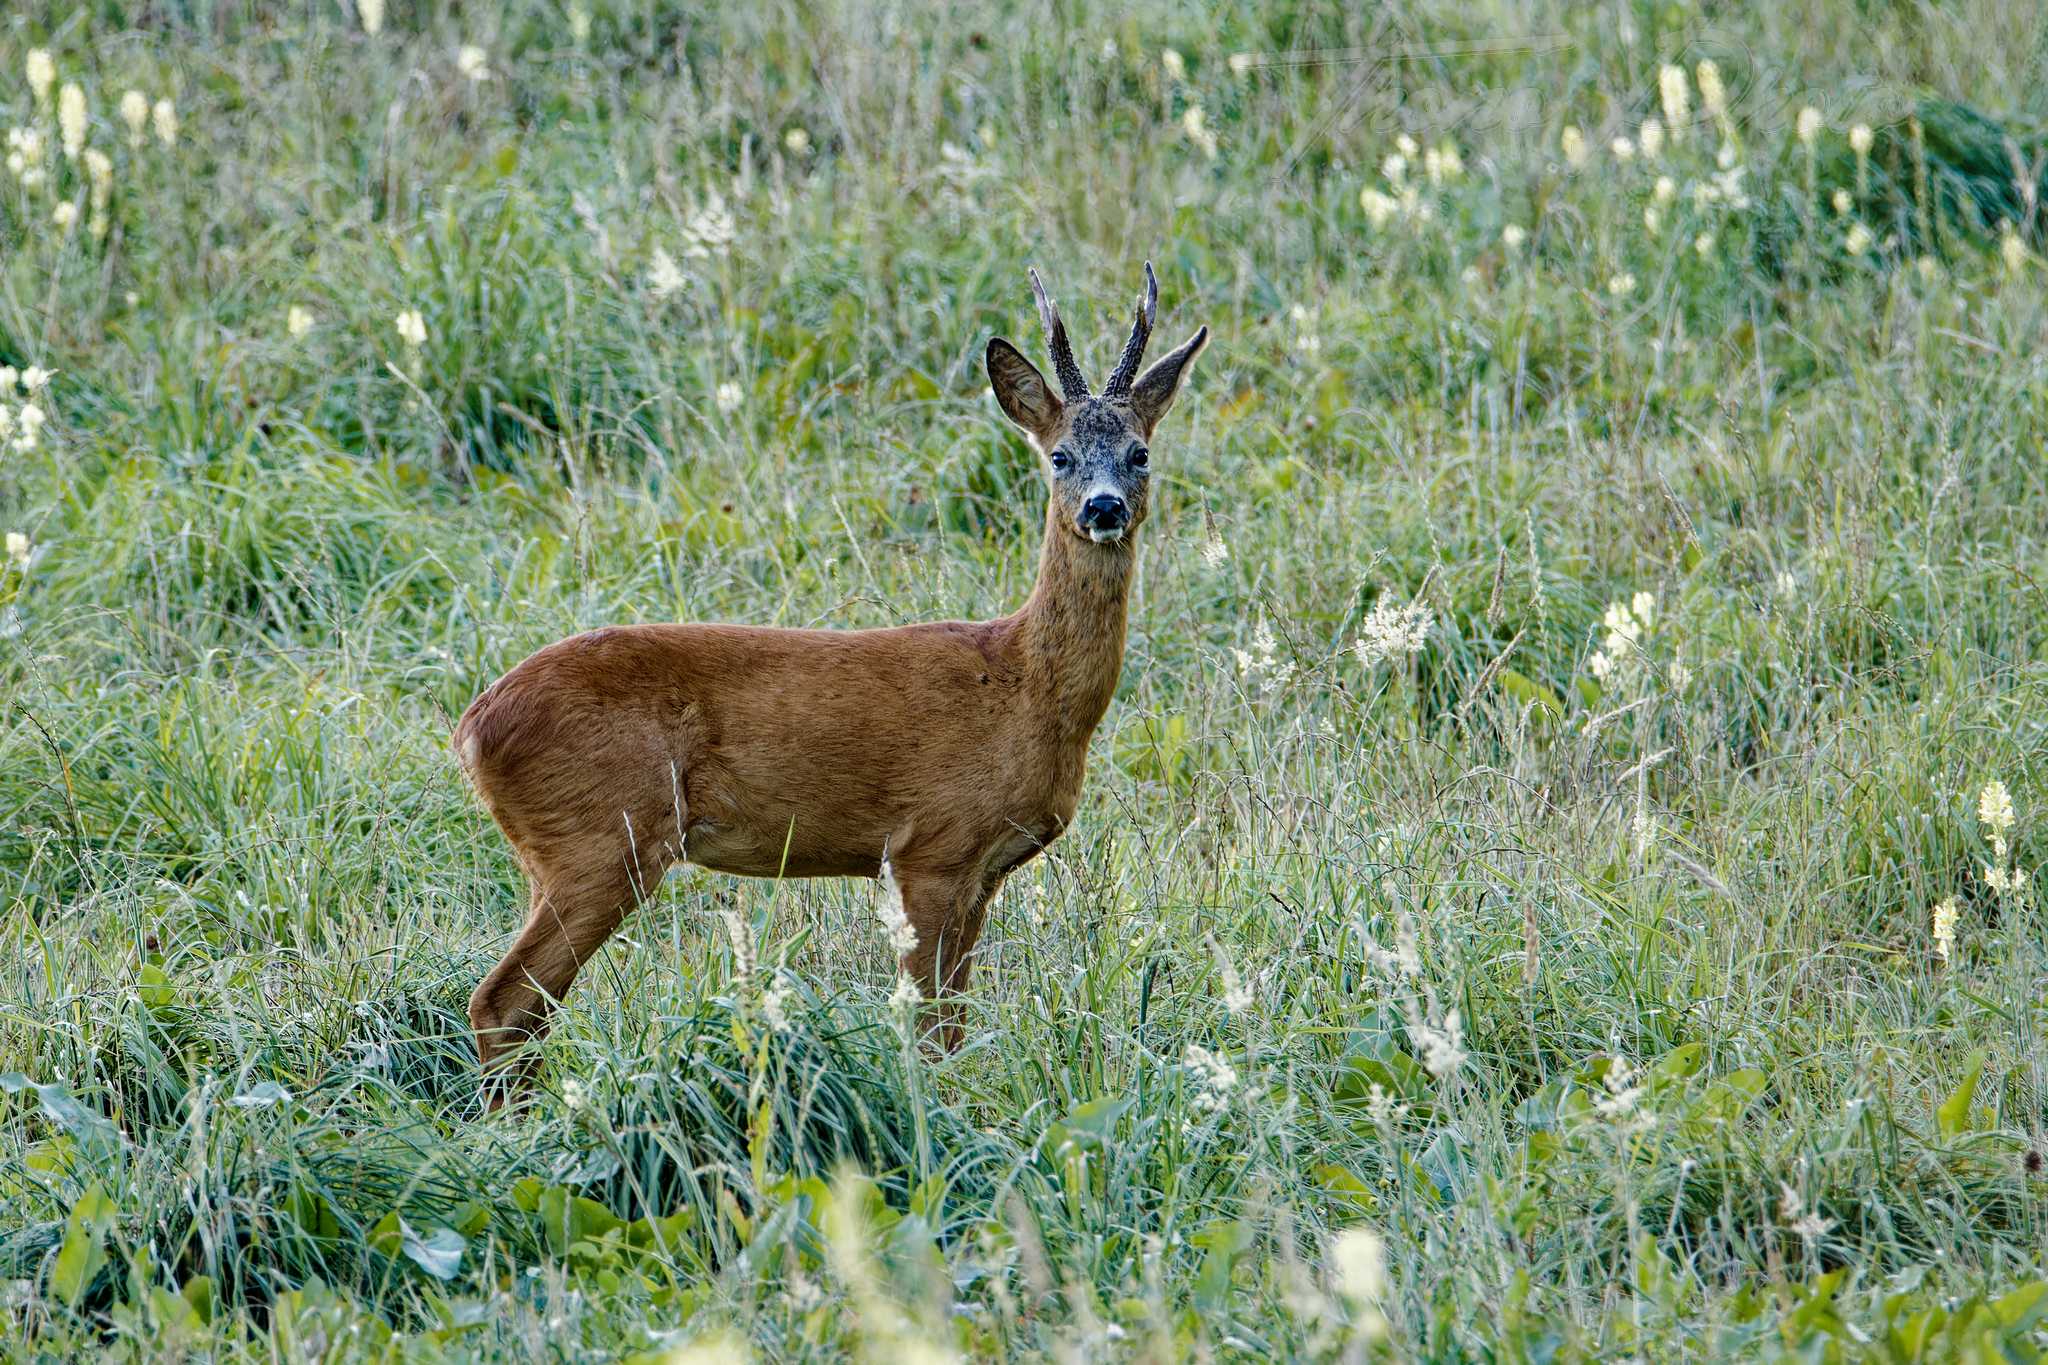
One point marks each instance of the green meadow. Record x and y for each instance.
(1556, 882)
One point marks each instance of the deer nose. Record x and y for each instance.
(1105, 512)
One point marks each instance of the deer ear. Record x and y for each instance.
(1154, 392)
(1025, 397)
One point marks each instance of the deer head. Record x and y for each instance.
(1096, 446)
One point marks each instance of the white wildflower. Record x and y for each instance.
(298, 320)
(906, 997)
(1406, 958)
(1856, 240)
(1861, 138)
(135, 113)
(163, 116)
(42, 73)
(1358, 1265)
(1381, 1106)
(729, 397)
(1378, 205)
(1671, 90)
(1572, 143)
(1843, 201)
(411, 327)
(25, 155)
(1626, 623)
(1392, 631)
(1713, 94)
(1240, 63)
(743, 962)
(1809, 1227)
(1262, 663)
(2012, 248)
(710, 229)
(1237, 994)
(29, 421)
(797, 141)
(1513, 235)
(1703, 245)
(1994, 807)
(1624, 1092)
(1650, 137)
(1305, 340)
(775, 1003)
(1442, 1046)
(1623, 149)
(1194, 123)
(473, 62)
(1665, 190)
(1442, 162)
(99, 170)
(1176, 66)
(889, 909)
(1728, 185)
(664, 277)
(1621, 284)
(1808, 124)
(1945, 914)
(64, 215)
(35, 378)
(1214, 1078)
(18, 548)
(71, 118)
(371, 13)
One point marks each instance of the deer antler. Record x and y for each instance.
(1126, 373)
(1071, 383)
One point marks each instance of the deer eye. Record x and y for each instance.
(1140, 457)
(1061, 461)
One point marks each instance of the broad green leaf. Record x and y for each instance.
(80, 1256)
(438, 1252)
(1087, 1126)
(1529, 692)
(154, 987)
(1953, 1118)
(1680, 1062)
(2023, 1307)
(1225, 1241)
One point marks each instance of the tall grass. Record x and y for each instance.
(1720, 1093)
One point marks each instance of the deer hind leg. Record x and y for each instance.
(579, 897)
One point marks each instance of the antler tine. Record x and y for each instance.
(1071, 382)
(1141, 332)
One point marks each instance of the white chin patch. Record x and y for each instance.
(1103, 536)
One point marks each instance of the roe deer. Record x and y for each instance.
(953, 749)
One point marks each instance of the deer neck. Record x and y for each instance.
(1071, 631)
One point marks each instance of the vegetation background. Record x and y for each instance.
(1627, 950)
